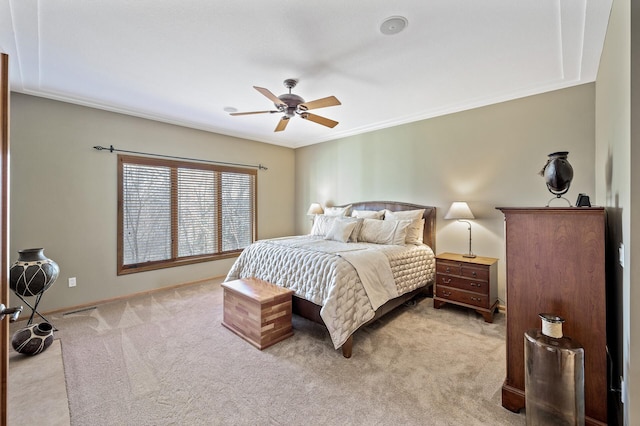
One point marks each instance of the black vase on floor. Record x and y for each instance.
(33, 339)
(33, 273)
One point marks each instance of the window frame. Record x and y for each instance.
(175, 260)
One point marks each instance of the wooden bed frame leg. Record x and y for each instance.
(347, 347)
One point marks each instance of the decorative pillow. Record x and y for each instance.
(368, 214)
(341, 230)
(404, 214)
(338, 211)
(416, 230)
(356, 231)
(384, 231)
(322, 224)
(415, 233)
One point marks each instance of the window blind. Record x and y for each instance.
(176, 212)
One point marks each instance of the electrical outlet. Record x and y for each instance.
(621, 254)
(72, 282)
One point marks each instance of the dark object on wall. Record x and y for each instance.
(555, 260)
(33, 339)
(557, 174)
(31, 275)
(554, 375)
(583, 201)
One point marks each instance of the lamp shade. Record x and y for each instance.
(459, 210)
(315, 208)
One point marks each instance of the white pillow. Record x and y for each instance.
(368, 214)
(404, 214)
(356, 231)
(322, 224)
(324, 227)
(341, 230)
(416, 230)
(384, 231)
(338, 211)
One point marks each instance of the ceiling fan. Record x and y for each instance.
(291, 104)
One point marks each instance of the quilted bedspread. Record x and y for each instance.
(319, 271)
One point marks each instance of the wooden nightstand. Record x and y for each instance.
(469, 282)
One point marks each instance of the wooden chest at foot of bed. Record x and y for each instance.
(257, 311)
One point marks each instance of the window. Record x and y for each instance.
(173, 213)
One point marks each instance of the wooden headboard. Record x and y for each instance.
(429, 233)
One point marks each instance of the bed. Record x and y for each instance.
(360, 261)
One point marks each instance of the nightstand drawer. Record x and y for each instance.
(461, 296)
(475, 272)
(451, 268)
(478, 286)
(463, 269)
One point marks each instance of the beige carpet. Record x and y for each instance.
(37, 394)
(165, 359)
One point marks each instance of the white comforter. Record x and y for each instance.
(349, 280)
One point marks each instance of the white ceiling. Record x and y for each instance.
(185, 61)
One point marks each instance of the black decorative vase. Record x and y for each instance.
(33, 339)
(558, 173)
(33, 273)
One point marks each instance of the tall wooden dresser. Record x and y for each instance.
(555, 258)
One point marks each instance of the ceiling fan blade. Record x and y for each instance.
(318, 119)
(270, 95)
(252, 112)
(319, 103)
(282, 124)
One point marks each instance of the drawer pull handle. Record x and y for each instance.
(474, 285)
(448, 269)
(446, 293)
(446, 281)
(475, 299)
(474, 274)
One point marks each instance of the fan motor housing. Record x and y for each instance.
(292, 101)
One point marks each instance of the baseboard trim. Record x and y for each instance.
(76, 308)
(501, 308)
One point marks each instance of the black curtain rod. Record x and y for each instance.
(112, 149)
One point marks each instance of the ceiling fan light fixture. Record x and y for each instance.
(291, 105)
(393, 25)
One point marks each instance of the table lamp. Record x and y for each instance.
(314, 209)
(459, 210)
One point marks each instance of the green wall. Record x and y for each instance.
(63, 192)
(488, 156)
(617, 142)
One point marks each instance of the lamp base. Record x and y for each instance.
(469, 255)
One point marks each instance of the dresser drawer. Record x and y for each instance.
(478, 286)
(461, 296)
(451, 268)
(475, 272)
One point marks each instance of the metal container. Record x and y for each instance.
(554, 375)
